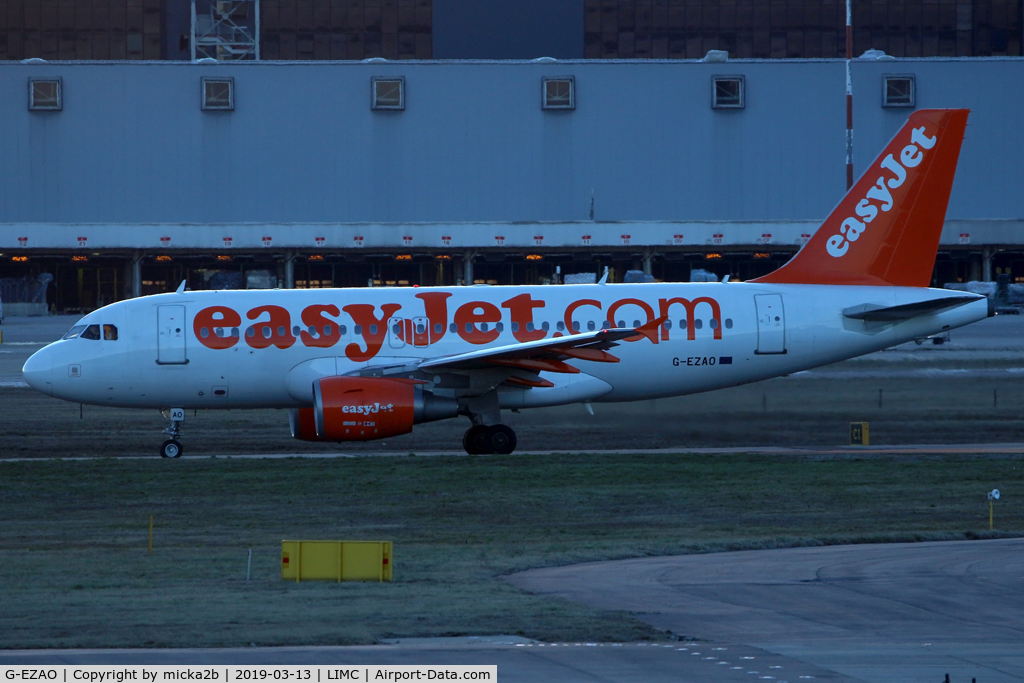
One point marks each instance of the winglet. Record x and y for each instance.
(649, 329)
(886, 230)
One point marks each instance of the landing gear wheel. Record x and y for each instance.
(500, 439)
(171, 449)
(475, 440)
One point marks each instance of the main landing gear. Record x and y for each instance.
(484, 440)
(172, 447)
(487, 435)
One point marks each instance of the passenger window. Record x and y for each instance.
(545, 327)
(560, 326)
(698, 323)
(438, 328)
(728, 323)
(91, 332)
(74, 332)
(590, 325)
(358, 329)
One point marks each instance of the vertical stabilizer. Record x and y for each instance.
(886, 230)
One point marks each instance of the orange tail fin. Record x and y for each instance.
(886, 230)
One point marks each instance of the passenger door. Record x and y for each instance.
(171, 335)
(771, 324)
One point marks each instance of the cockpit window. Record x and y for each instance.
(110, 332)
(91, 332)
(74, 332)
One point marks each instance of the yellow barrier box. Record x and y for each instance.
(859, 434)
(336, 560)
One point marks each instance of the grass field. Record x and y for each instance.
(75, 571)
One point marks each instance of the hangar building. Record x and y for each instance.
(125, 177)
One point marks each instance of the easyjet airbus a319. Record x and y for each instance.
(360, 364)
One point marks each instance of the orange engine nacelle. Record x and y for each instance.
(366, 408)
(303, 424)
(363, 408)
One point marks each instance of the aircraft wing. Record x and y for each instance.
(902, 312)
(593, 346)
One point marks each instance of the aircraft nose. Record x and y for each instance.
(38, 371)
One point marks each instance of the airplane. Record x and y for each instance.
(358, 364)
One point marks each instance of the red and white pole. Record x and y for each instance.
(849, 97)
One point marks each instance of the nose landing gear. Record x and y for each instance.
(172, 447)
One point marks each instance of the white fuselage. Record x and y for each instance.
(743, 332)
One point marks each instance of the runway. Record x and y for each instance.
(898, 613)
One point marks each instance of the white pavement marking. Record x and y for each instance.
(860, 451)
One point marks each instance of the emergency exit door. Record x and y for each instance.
(771, 323)
(170, 338)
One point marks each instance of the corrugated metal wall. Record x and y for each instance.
(132, 145)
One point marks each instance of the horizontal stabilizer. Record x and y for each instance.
(872, 313)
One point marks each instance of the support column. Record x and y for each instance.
(467, 267)
(986, 264)
(648, 257)
(136, 274)
(289, 269)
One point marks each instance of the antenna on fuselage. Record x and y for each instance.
(181, 288)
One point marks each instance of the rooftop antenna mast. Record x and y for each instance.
(849, 96)
(225, 30)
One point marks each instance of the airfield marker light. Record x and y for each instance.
(993, 496)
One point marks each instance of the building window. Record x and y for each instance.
(727, 92)
(559, 93)
(898, 91)
(218, 94)
(388, 93)
(44, 94)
